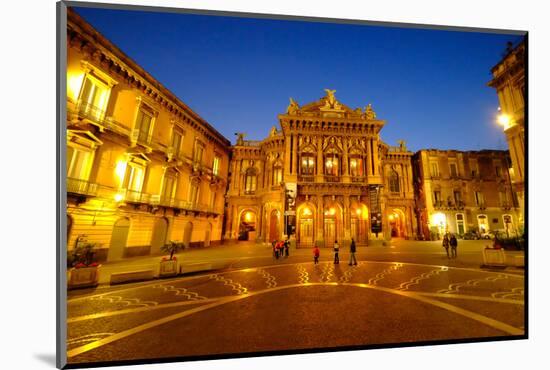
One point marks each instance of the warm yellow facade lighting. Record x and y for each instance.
(504, 120)
(118, 197)
(74, 84)
(439, 219)
(120, 171)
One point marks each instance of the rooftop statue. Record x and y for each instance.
(240, 137)
(330, 97)
(402, 145)
(369, 112)
(293, 107)
(273, 131)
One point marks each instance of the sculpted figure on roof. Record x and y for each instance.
(369, 112)
(293, 107)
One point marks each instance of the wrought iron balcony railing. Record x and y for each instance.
(81, 187)
(306, 178)
(330, 178)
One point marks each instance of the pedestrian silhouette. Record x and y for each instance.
(336, 250)
(446, 244)
(316, 253)
(454, 244)
(352, 259)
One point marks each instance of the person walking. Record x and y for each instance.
(454, 244)
(275, 250)
(336, 250)
(352, 253)
(446, 244)
(287, 247)
(316, 253)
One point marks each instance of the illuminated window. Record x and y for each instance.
(194, 192)
(454, 172)
(434, 168)
(78, 163)
(356, 166)
(478, 196)
(394, 182)
(94, 96)
(250, 181)
(216, 165)
(135, 174)
(177, 138)
(144, 124)
(473, 167)
(277, 177)
(168, 186)
(197, 152)
(437, 197)
(332, 164)
(458, 197)
(308, 164)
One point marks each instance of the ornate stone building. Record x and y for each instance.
(325, 175)
(142, 167)
(509, 81)
(461, 192)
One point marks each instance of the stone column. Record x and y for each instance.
(287, 156)
(319, 234)
(346, 221)
(345, 162)
(295, 154)
(320, 163)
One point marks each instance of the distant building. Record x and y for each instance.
(462, 192)
(325, 176)
(509, 82)
(142, 168)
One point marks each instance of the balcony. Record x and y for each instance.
(141, 137)
(306, 178)
(81, 187)
(359, 179)
(330, 178)
(85, 110)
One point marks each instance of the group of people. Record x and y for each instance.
(280, 248)
(449, 240)
(336, 248)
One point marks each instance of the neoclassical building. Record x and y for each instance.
(464, 191)
(324, 175)
(142, 167)
(509, 82)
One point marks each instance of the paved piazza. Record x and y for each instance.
(294, 306)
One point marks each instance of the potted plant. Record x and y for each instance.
(83, 270)
(169, 265)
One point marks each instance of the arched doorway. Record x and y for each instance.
(187, 233)
(119, 238)
(359, 216)
(247, 225)
(160, 231)
(483, 223)
(396, 220)
(332, 224)
(208, 235)
(274, 226)
(306, 220)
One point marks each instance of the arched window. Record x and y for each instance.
(250, 181)
(307, 166)
(277, 174)
(332, 163)
(394, 182)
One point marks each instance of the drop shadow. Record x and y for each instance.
(47, 358)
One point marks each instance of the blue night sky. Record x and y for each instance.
(238, 73)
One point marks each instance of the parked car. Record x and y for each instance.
(487, 235)
(470, 236)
